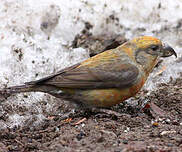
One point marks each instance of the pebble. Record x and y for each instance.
(127, 130)
(167, 132)
(125, 141)
(168, 120)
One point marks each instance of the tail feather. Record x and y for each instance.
(20, 88)
(6, 92)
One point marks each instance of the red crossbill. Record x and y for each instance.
(106, 79)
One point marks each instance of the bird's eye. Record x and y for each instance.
(154, 47)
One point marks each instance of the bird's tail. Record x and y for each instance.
(6, 92)
(29, 87)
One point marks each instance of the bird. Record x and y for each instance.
(105, 79)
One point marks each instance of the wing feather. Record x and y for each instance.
(102, 76)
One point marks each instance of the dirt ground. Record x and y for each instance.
(155, 128)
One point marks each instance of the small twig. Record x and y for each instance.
(161, 70)
(19, 142)
(80, 121)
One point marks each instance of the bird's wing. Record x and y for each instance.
(105, 75)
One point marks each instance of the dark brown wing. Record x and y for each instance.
(103, 76)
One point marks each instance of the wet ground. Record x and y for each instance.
(155, 128)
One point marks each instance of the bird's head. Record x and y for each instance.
(148, 49)
(153, 46)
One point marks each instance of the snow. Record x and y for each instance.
(27, 54)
